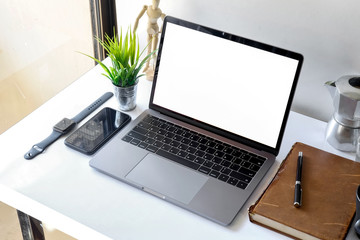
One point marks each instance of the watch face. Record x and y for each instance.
(64, 125)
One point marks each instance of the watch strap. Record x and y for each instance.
(92, 107)
(40, 147)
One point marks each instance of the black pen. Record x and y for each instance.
(298, 190)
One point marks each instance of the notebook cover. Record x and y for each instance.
(329, 185)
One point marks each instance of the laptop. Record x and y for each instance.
(217, 114)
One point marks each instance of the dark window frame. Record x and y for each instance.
(103, 21)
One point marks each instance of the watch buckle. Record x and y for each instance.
(35, 150)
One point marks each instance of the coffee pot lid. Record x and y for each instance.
(349, 86)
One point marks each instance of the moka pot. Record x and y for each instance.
(343, 130)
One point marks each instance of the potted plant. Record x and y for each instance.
(126, 64)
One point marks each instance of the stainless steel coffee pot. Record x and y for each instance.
(344, 127)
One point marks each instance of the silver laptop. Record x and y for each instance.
(217, 113)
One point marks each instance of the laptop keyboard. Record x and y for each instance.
(199, 152)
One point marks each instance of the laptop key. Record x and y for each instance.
(135, 142)
(150, 134)
(237, 161)
(140, 130)
(199, 160)
(219, 147)
(208, 164)
(152, 148)
(178, 131)
(204, 170)
(150, 141)
(155, 122)
(175, 143)
(236, 153)
(228, 157)
(167, 140)
(247, 172)
(233, 181)
(163, 126)
(252, 154)
(226, 163)
(166, 147)
(217, 167)
(244, 151)
(136, 135)
(199, 153)
(202, 147)
(159, 137)
(219, 154)
(208, 156)
(186, 141)
(182, 154)
(127, 138)
(203, 140)
(254, 167)
(144, 125)
(211, 150)
(241, 185)
(190, 157)
(174, 150)
(240, 177)
(217, 160)
(256, 161)
(235, 167)
(169, 135)
(186, 134)
(177, 138)
(178, 159)
(214, 174)
(194, 144)
(228, 150)
(223, 177)
(191, 150)
(162, 132)
(143, 145)
(154, 129)
(245, 164)
(158, 144)
(147, 119)
(226, 170)
(171, 128)
(183, 147)
(194, 137)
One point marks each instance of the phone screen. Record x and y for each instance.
(95, 132)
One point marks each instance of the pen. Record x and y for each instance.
(298, 190)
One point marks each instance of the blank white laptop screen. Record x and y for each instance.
(232, 86)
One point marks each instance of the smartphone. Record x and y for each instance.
(97, 131)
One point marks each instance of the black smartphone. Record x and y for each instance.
(97, 131)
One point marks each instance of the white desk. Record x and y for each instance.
(59, 188)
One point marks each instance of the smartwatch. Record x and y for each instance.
(65, 126)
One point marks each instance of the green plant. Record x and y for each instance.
(125, 58)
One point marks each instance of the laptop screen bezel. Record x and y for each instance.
(242, 40)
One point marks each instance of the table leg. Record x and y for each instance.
(31, 228)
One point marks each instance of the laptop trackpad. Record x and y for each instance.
(167, 179)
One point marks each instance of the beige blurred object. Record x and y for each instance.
(10, 227)
(38, 53)
(154, 13)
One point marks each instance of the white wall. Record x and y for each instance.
(325, 32)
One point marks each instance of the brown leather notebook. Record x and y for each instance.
(329, 185)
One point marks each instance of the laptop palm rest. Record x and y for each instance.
(164, 178)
